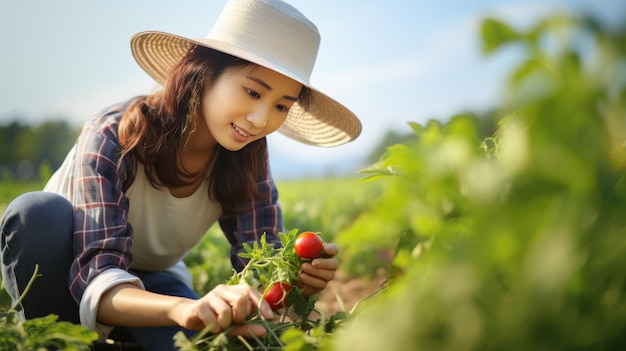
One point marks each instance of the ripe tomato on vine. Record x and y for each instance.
(277, 294)
(308, 245)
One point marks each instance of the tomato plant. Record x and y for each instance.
(308, 245)
(277, 268)
(276, 295)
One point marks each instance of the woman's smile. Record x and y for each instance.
(240, 133)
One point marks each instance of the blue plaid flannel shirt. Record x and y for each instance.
(102, 235)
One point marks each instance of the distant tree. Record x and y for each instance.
(53, 140)
(41, 145)
(8, 136)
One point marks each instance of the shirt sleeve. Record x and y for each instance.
(102, 235)
(91, 298)
(264, 216)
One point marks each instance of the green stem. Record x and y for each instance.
(271, 331)
(245, 343)
(372, 294)
(28, 286)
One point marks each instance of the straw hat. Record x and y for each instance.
(269, 33)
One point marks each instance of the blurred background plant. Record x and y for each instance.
(516, 241)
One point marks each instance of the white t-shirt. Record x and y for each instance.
(166, 227)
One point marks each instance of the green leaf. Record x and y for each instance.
(183, 343)
(496, 33)
(335, 321)
(302, 305)
(418, 129)
(297, 340)
(48, 332)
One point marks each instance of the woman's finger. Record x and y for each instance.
(330, 250)
(244, 299)
(326, 274)
(221, 309)
(265, 309)
(247, 330)
(312, 281)
(324, 263)
(239, 299)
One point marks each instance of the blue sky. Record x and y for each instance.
(390, 61)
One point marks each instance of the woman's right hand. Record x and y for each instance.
(222, 307)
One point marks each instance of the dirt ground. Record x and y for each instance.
(349, 289)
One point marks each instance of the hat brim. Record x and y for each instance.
(325, 122)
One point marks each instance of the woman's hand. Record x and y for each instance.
(316, 274)
(224, 306)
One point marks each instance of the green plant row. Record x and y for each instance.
(517, 241)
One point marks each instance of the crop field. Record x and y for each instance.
(327, 206)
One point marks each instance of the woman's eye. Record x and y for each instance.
(282, 108)
(253, 93)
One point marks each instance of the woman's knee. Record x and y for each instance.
(37, 226)
(37, 211)
(37, 231)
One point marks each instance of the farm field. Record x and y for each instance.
(327, 206)
(304, 208)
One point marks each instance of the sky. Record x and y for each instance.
(389, 61)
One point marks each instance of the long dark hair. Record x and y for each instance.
(154, 130)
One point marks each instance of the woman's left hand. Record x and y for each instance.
(316, 274)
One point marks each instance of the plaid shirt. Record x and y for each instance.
(102, 235)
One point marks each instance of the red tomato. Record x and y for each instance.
(308, 245)
(277, 294)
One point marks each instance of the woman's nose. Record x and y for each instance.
(259, 117)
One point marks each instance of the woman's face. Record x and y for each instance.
(246, 104)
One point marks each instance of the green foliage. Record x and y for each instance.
(10, 189)
(330, 206)
(280, 336)
(34, 146)
(324, 205)
(392, 137)
(268, 265)
(486, 122)
(209, 262)
(515, 242)
(43, 333)
(495, 34)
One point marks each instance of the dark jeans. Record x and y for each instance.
(37, 229)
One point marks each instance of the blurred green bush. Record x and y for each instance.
(518, 241)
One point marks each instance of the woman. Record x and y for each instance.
(149, 176)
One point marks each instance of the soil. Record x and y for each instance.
(350, 290)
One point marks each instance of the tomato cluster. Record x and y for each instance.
(307, 246)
